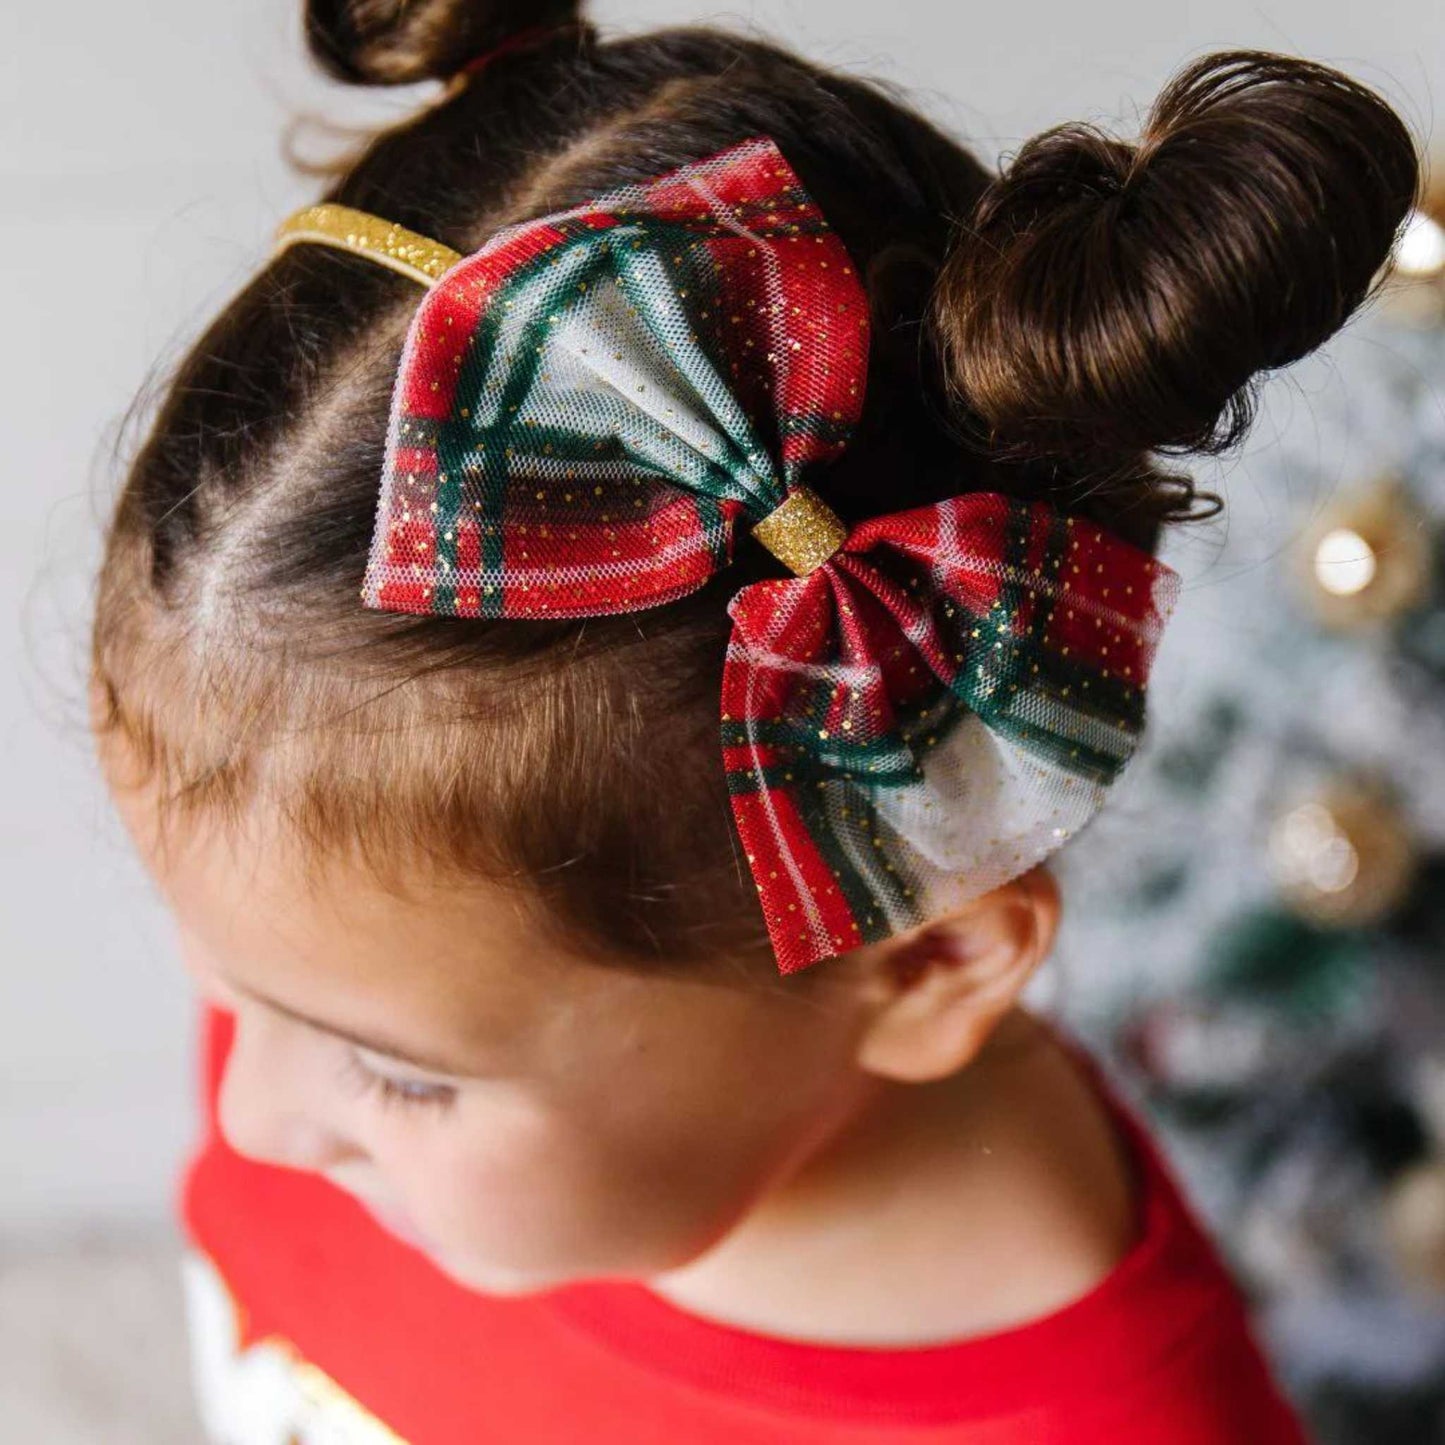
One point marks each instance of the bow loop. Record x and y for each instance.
(931, 712)
(591, 404)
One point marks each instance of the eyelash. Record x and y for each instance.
(396, 1091)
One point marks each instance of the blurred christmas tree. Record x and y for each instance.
(1258, 942)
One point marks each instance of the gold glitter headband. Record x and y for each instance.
(414, 256)
(802, 532)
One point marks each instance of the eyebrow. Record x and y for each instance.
(384, 1047)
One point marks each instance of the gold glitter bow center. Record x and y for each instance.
(802, 532)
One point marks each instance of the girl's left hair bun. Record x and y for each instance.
(402, 42)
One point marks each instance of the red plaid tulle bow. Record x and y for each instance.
(588, 410)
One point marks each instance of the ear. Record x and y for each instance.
(935, 995)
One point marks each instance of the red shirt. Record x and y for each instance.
(311, 1324)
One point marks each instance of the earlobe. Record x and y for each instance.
(939, 993)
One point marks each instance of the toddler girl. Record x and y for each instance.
(596, 651)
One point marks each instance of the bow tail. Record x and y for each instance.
(830, 718)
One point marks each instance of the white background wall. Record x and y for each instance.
(142, 176)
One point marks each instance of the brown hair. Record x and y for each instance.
(1041, 331)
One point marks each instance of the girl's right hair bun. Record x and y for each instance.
(398, 42)
(1109, 299)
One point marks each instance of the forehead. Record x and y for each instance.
(464, 968)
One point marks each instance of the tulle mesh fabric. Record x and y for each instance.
(590, 407)
(932, 712)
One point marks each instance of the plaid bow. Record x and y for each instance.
(587, 410)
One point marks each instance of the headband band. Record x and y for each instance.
(414, 256)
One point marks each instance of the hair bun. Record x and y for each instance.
(398, 42)
(1115, 298)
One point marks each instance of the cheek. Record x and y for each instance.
(699, 1114)
(547, 1194)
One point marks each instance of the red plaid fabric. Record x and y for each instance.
(591, 406)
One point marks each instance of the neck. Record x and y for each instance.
(936, 1212)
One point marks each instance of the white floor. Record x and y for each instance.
(92, 1342)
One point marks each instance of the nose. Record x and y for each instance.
(273, 1096)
